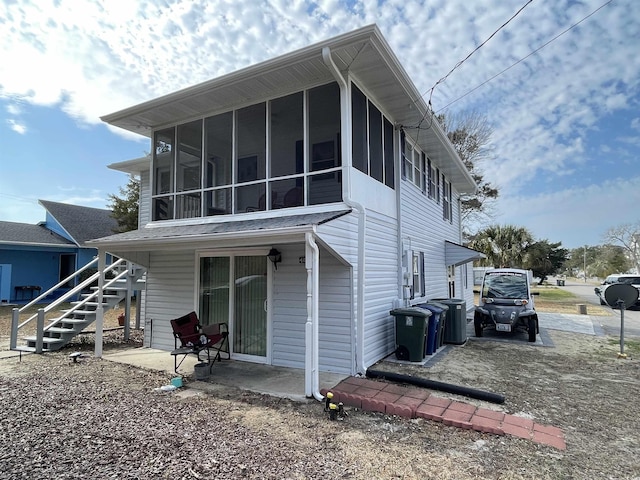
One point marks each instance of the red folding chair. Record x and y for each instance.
(191, 338)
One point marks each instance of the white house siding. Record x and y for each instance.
(144, 212)
(170, 294)
(424, 230)
(381, 286)
(336, 343)
(289, 314)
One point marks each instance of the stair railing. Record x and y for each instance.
(84, 301)
(77, 289)
(59, 285)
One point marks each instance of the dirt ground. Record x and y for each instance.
(98, 419)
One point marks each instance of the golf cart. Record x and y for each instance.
(506, 303)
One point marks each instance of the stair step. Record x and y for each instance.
(63, 331)
(25, 348)
(75, 321)
(81, 312)
(45, 340)
(105, 297)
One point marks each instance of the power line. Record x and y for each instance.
(524, 58)
(443, 79)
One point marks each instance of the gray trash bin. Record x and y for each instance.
(455, 330)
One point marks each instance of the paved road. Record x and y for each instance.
(610, 325)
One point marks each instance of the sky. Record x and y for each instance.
(559, 85)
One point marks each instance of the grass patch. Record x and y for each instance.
(631, 347)
(552, 294)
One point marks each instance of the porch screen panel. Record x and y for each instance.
(189, 159)
(324, 127)
(214, 290)
(163, 174)
(251, 143)
(163, 162)
(250, 319)
(376, 167)
(286, 136)
(360, 153)
(218, 149)
(389, 157)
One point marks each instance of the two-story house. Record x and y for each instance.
(299, 200)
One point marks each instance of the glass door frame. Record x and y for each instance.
(232, 254)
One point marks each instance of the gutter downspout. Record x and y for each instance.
(312, 264)
(345, 109)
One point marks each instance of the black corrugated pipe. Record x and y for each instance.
(435, 385)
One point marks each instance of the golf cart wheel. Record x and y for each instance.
(532, 329)
(402, 353)
(478, 328)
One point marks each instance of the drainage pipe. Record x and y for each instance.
(312, 363)
(435, 385)
(347, 187)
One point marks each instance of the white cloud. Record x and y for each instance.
(17, 127)
(92, 58)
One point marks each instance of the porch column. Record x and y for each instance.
(102, 261)
(311, 372)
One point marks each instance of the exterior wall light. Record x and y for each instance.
(275, 256)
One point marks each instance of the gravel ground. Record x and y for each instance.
(98, 419)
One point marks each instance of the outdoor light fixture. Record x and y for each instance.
(275, 256)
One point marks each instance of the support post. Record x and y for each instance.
(15, 316)
(127, 302)
(622, 307)
(99, 309)
(39, 330)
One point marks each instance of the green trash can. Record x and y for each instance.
(455, 330)
(411, 330)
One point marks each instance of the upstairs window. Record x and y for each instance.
(413, 164)
(432, 179)
(251, 159)
(447, 209)
(372, 139)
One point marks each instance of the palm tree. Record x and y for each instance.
(504, 245)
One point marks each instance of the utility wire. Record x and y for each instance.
(523, 58)
(443, 79)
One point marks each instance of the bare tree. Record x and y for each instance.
(628, 237)
(470, 134)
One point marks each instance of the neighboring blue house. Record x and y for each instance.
(35, 258)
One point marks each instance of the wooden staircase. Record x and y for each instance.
(61, 330)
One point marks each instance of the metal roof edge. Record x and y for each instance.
(246, 72)
(389, 56)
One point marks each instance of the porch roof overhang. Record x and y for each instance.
(362, 53)
(166, 236)
(455, 254)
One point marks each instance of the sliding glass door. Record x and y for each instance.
(233, 289)
(250, 301)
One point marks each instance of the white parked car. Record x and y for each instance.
(629, 279)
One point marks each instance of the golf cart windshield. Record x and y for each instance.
(507, 285)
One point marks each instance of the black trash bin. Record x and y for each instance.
(411, 328)
(455, 330)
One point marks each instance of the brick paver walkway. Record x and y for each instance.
(413, 402)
